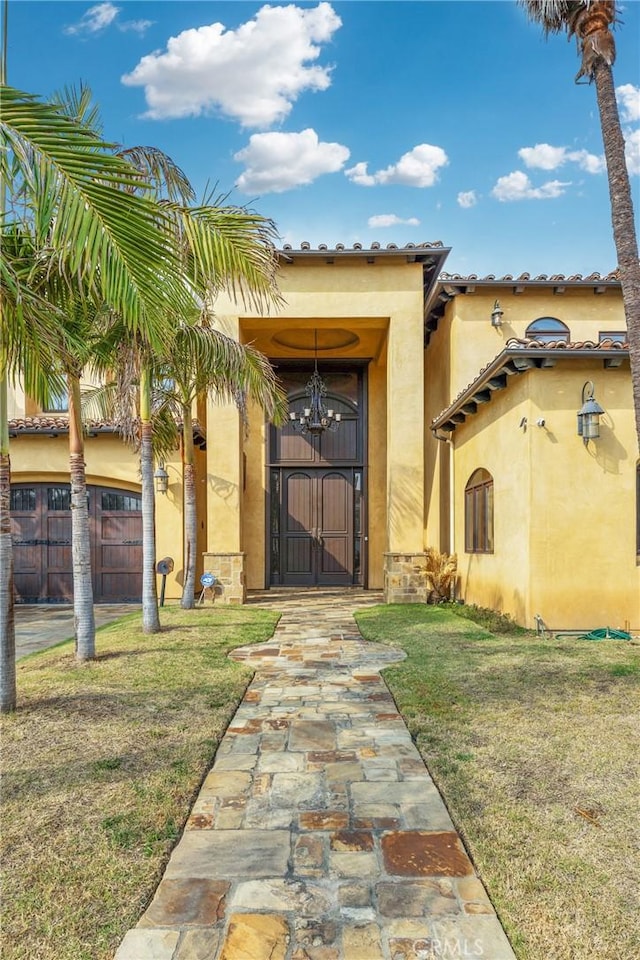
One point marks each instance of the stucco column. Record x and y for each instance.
(405, 579)
(224, 557)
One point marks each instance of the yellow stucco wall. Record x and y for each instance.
(564, 513)
(492, 439)
(474, 342)
(381, 304)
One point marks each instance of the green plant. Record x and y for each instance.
(441, 573)
(491, 620)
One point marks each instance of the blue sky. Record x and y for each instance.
(358, 121)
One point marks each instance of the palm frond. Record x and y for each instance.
(121, 240)
(229, 248)
(157, 168)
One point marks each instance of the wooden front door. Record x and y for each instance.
(317, 515)
(317, 527)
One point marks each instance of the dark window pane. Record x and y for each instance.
(547, 329)
(618, 336)
(122, 502)
(478, 513)
(59, 498)
(357, 504)
(23, 501)
(275, 557)
(357, 557)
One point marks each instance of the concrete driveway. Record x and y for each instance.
(42, 625)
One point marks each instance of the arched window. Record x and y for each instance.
(478, 512)
(546, 329)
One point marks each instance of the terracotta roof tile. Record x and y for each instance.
(375, 246)
(612, 277)
(515, 345)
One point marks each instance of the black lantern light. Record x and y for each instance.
(589, 414)
(161, 478)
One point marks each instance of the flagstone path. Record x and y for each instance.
(318, 834)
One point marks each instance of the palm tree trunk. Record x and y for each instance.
(7, 623)
(83, 614)
(150, 612)
(190, 517)
(8, 695)
(622, 218)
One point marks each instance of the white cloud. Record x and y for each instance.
(95, 19)
(417, 168)
(103, 15)
(517, 186)
(276, 162)
(135, 26)
(467, 199)
(629, 101)
(253, 74)
(632, 151)
(383, 220)
(546, 157)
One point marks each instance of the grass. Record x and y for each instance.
(101, 764)
(535, 747)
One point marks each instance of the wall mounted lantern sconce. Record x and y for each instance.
(315, 418)
(497, 314)
(161, 478)
(589, 414)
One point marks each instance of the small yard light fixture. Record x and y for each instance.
(497, 314)
(161, 478)
(589, 414)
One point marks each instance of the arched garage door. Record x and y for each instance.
(41, 531)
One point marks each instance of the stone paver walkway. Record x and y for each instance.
(318, 834)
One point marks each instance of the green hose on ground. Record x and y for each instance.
(604, 633)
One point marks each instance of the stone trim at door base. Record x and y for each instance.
(405, 578)
(229, 571)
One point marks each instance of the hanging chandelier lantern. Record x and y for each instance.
(315, 418)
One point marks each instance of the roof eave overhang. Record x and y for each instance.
(512, 361)
(450, 286)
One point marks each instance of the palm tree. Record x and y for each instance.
(224, 247)
(203, 360)
(116, 241)
(591, 22)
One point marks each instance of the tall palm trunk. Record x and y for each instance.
(83, 614)
(624, 233)
(150, 612)
(8, 694)
(7, 622)
(190, 516)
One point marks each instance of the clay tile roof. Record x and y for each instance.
(54, 423)
(305, 246)
(516, 346)
(612, 277)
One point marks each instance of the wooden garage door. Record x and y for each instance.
(41, 530)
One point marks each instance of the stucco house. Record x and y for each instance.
(450, 409)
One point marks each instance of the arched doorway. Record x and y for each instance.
(317, 487)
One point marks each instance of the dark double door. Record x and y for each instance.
(41, 534)
(317, 501)
(317, 527)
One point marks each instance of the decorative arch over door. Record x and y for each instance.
(316, 517)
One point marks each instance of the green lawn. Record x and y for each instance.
(535, 746)
(101, 764)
